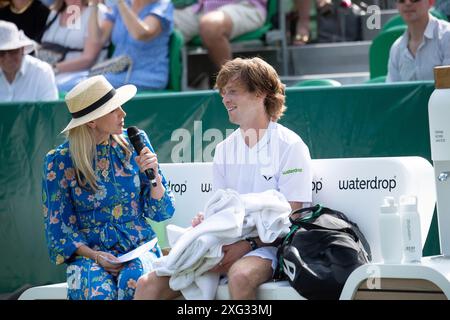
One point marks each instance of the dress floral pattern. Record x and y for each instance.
(114, 219)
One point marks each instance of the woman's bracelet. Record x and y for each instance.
(97, 255)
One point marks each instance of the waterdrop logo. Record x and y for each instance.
(206, 187)
(368, 184)
(179, 188)
(317, 185)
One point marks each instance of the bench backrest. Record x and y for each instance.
(355, 186)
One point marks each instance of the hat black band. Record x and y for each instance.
(97, 104)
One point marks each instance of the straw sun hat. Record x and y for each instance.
(93, 98)
(11, 38)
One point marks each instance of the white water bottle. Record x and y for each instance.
(439, 115)
(412, 239)
(390, 232)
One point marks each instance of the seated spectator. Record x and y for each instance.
(424, 45)
(139, 30)
(28, 15)
(22, 77)
(219, 21)
(77, 51)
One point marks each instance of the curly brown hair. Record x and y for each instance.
(258, 76)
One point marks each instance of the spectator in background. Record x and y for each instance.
(22, 77)
(424, 45)
(28, 15)
(78, 50)
(139, 29)
(219, 21)
(301, 34)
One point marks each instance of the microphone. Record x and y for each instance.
(138, 145)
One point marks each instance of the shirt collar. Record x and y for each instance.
(428, 33)
(23, 67)
(431, 26)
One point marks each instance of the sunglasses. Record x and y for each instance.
(412, 1)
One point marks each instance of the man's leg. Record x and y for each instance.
(302, 32)
(153, 287)
(215, 30)
(245, 276)
(227, 22)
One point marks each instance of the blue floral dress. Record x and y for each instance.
(114, 219)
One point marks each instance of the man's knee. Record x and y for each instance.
(250, 272)
(211, 26)
(143, 281)
(146, 287)
(153, 287)
(238, 276)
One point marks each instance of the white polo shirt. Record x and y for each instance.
(35, 81)
(280, 160)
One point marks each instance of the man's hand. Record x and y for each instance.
(199, 217)
(232, 253)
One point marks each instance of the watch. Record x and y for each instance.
(252, 242)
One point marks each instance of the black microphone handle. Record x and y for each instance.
(138, 145)
(150, 173)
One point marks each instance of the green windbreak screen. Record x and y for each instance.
(335, 122)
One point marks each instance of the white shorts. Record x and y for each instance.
(269, 253)
(245, 18)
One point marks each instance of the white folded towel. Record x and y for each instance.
(229, 217)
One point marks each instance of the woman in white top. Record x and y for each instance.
(67, 26)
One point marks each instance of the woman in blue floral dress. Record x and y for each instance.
(96, 199)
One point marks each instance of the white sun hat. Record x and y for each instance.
(12, 38)
(93, 98)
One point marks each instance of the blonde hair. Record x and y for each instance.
(258, 76)
(83, 152)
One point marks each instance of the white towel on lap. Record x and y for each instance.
(269, 212)
(229, 217)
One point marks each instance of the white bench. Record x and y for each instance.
(355, 186)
